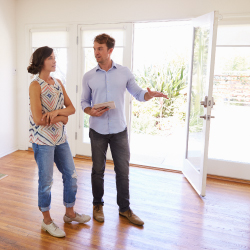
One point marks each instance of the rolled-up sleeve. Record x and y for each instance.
(86, 94)
(134, 89)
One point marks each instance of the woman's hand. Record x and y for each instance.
(65, 120)
(54, 117)
(49, 117)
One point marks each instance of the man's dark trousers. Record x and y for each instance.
(121, 155)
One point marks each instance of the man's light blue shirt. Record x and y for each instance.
(99, 86)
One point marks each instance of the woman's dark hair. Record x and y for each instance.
(37, 59)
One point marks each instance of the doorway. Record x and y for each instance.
(161, 62)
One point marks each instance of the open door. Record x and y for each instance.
(200, 100)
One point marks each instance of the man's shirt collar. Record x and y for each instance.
(113, 66)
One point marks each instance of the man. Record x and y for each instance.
(108, 82)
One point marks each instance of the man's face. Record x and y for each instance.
(102, 53)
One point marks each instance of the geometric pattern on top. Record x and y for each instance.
(52, 98)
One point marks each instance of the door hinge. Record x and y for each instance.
(75, 135)
(76, 88)
(77, 40)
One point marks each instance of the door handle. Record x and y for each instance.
(204, 117)
(211, 102)
(210, 116)
(204, 103)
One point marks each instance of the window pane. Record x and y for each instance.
(199, 84)
(229, 131)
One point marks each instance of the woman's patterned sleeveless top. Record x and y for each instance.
(52, 98)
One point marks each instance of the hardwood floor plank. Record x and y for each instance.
(175, 216)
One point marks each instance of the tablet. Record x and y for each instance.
(110, 105)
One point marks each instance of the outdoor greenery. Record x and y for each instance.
(199, 79)
(159, 115)
(237, 63)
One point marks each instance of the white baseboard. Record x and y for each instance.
(8, 151)
(23, 146)
(229, 169)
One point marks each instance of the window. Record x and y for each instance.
(58, 40)
(230, 128)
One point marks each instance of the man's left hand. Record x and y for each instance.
(150, 94)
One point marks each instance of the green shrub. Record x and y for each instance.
(155, 116)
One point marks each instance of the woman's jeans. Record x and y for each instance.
(45, 157)
(121, 155)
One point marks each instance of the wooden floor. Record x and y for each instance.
(175, 217)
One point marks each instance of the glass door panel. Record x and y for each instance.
(200, 101)
(198, 92)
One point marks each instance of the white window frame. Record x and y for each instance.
(217, 167)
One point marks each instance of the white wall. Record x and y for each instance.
(118, 10)
(99, 11)
(8, 121)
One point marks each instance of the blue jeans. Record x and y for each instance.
(121, 155)
(45, 157)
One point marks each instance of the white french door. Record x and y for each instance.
(86, 61)
(200, 101)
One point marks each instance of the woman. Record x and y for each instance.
(48, 118)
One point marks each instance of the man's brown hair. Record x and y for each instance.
(104, 38)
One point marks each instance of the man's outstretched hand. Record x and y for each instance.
(150, 94)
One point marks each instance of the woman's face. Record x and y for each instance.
(50, 63)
